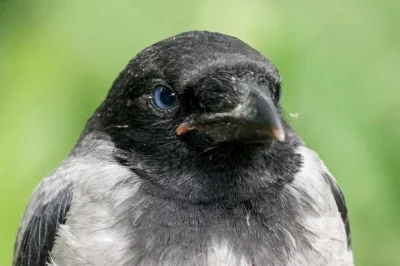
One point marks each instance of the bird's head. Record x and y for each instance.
(199, 102)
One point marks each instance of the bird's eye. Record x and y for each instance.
(164, 98)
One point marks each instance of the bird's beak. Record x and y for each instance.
(255, 120)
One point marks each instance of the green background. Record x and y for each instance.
(339, 60)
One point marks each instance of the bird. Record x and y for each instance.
(189, 160)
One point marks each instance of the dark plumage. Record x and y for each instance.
(189, 161)
(38, 239)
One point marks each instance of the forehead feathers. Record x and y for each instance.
(189, 56)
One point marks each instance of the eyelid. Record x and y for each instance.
(161, 83)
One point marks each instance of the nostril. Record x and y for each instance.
(218, 94)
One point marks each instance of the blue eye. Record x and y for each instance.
(164, 98)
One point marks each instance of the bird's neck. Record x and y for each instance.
(228, 176)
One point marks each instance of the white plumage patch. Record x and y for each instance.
(329, 246)
(94, 233)
(221, 253)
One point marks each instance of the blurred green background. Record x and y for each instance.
(340, 61)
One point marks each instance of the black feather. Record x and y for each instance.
(341, 204)
(38, 238)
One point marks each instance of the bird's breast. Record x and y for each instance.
(127, 226)
(154, 231)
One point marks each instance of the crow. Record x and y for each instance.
(189, 161)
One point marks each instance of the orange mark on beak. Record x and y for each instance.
(183, 128)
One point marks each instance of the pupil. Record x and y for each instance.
(167, 97)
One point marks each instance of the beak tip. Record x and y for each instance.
(279, 134)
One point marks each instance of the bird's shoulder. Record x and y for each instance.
(322, 205)
(340, 203)
(46, 210)
(50, 202)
